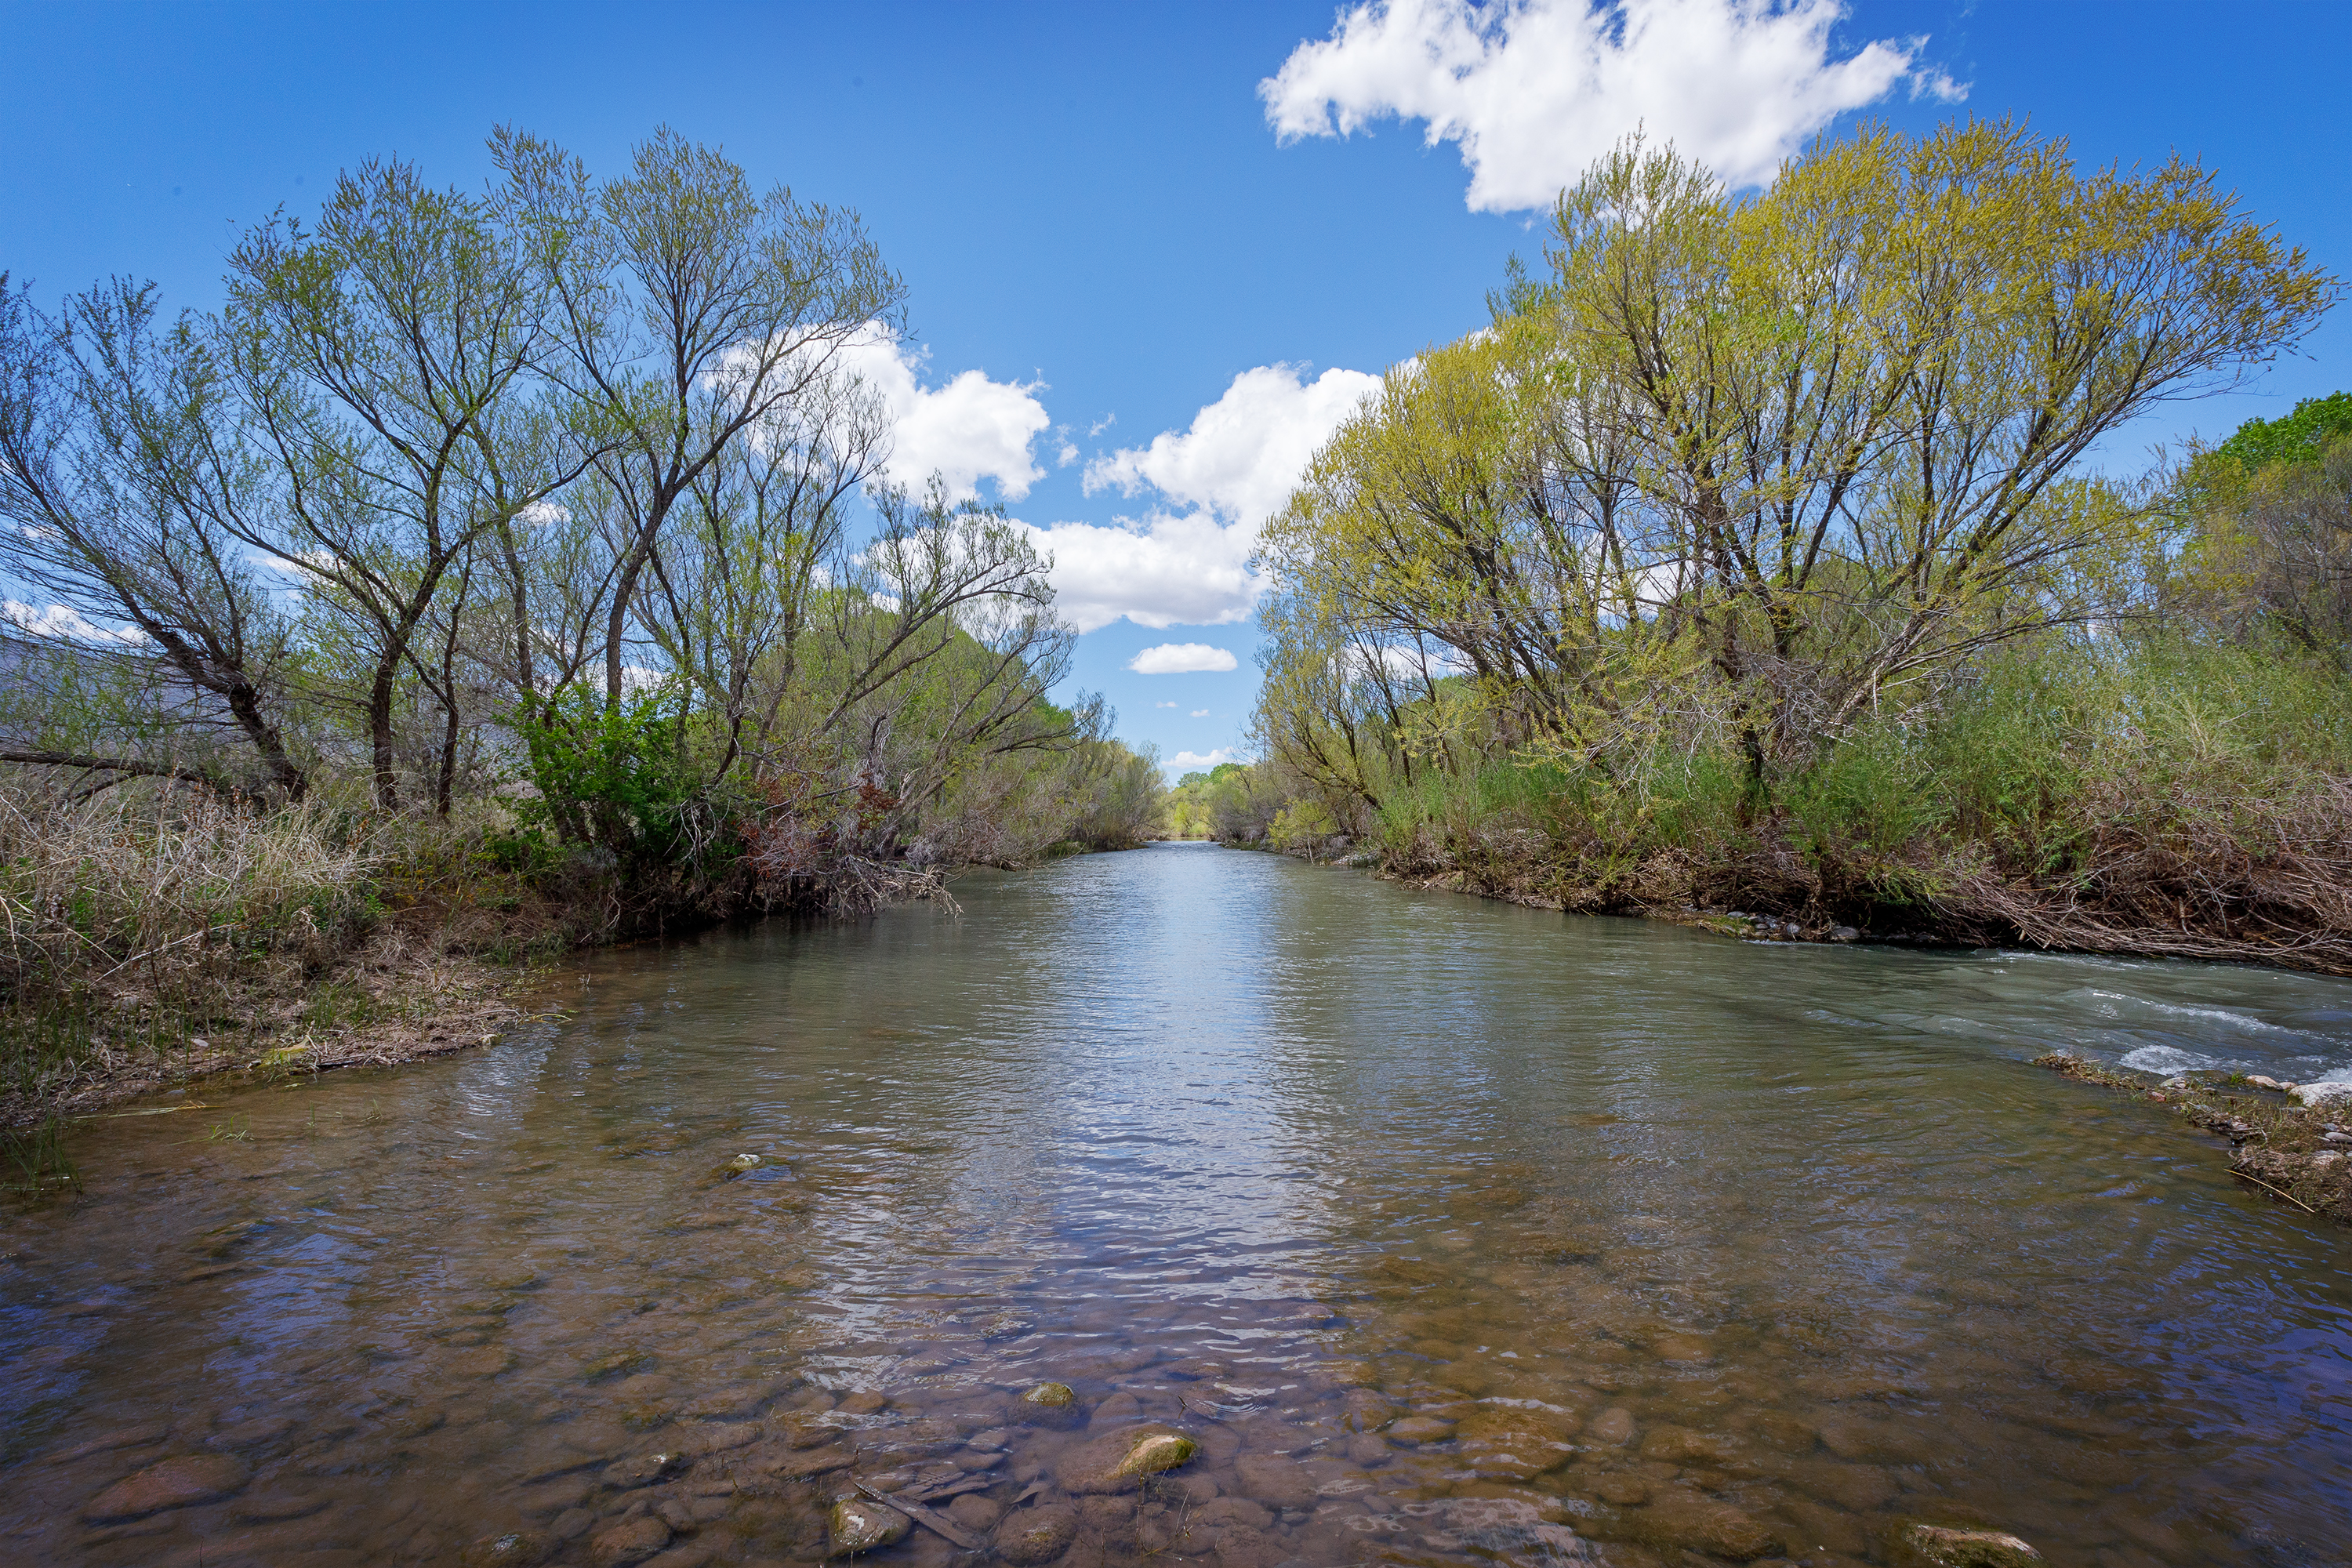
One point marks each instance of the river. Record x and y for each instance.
(1451, 1232)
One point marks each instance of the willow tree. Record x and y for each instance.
(1856, 400)
(121, 477)
(385, 360)
(1760, 462)
(690, 311)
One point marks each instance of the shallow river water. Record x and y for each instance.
(1451, 1232)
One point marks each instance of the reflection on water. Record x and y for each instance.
(1451, 1232)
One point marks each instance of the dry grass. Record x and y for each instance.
(156, 935)
(159, 892)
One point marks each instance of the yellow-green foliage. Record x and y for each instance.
(1751, 472)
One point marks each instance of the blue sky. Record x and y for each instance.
(1100, 225)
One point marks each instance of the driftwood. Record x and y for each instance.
(937, 1523)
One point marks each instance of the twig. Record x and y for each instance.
(175, 942)
(2290, 1197)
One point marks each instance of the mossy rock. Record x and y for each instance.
(1936, 1546)
(1052, 1404)
(1120, 1461)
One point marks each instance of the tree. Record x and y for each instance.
(1752, 465)
(688, 312)
(385, 361)
(122, 478)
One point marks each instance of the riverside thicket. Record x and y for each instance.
(489, 570)
(1754, 555)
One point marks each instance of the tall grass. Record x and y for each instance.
(2155, 795)
(130, 920)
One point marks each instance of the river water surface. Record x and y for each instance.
(1451, 1232)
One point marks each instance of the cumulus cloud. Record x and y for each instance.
(1182, 658)
(1166, 571)
(968, 431)
(1245, 452)
(1186, 562)
(1187, 761)
(1200, 712)
(1533, 90)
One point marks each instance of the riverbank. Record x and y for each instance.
(391, 1000)
(1780, 895)
(2291, 1140)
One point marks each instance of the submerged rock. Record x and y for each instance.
(628, 1542)
(640, 1470)
(1695, 1523)
(1681, 1446)
(1052, 1405)
(515, 1549)
(1117, 1461)
(1933, 1546)
(179, 1482)
(1516, 1443)
(1614, 1426)
(1274, 1478)
(1036, 1535)
(859, 1524)
(1417, 1429)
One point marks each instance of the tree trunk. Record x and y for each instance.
(387, 782)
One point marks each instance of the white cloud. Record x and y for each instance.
(1533, 90)
(971, 430)
(65, 621)
(1246, 451)
(1189, 564)
(1197, 712)
(1182, 658)
(1169, 571)
(1186, 761)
